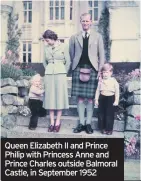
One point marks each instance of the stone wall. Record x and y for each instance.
(14, 101)
(132, 124)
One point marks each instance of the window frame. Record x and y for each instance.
(26, 51)
(62, 40)
(92, 8)
(27, 11)
(54, 7)
(71, 10)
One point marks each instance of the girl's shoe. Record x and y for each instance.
(57, 128)
(31, 128)
(51, 128)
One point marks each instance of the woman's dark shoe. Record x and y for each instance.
(51, 128)
(57, 128)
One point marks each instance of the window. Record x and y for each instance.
(61, 40)
(27, 6)
(71, 7)
(93, 10)
(27, 49)
(57, 10)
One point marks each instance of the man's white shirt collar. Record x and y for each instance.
(83, 33)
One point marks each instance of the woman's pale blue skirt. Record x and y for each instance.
(56, 92)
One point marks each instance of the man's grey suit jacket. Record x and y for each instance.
(95, 49)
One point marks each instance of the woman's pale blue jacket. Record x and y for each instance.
(56, 59)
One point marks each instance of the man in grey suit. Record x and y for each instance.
(87, 54)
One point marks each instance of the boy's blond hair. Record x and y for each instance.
(107, 67)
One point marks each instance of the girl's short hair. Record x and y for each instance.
(107, 67)
(49, 34)
(36, 77)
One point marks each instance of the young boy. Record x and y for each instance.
(106, 97)
(36, 94)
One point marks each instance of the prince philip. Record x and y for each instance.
(87, 57)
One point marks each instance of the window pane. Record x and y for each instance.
(30, 16)
(95, 14)
(70, 2)
(62, 3)
(29, 57)
(56, 13)
(70, 13)
(51, 13)
(51, 3)
(24, 47)
(25, 5)
(62, 40)
(24, 57)
(62, 13)
(30, 5)
(95, 3)
(56, 3)
(90, 3)
(25, 16)
(90, 11)
(29, 47)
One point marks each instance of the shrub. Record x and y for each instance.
(131, 147)
(27, 70)
(10, 71)
(103, 28)
(13, 43)
(122, 77)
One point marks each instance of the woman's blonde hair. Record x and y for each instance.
(107, 67)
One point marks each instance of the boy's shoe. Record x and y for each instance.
(109, 132)
(104, 132)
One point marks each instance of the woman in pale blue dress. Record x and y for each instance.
(56, 64)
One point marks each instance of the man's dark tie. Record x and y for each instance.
(86, 34)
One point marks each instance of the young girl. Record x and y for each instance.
(36, 94)
(106, 97)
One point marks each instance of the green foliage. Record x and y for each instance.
(103, 28)
(29, 72)
(27, 69)
(10, 71)
(13, 39)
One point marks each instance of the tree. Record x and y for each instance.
(14, 34)
(103, 28)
